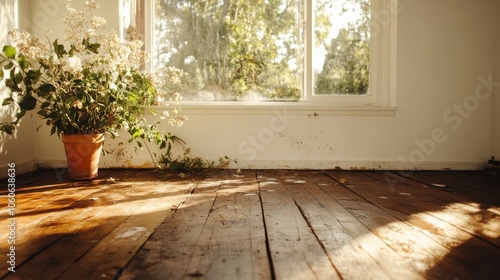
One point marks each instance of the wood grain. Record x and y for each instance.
(256, 224)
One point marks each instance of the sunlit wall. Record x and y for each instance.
(445, 51)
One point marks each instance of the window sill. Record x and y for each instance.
(296, 108)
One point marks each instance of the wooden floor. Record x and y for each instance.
(257, 224)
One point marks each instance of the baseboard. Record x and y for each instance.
(21, 168)
(302, 164)
(104, 163)
(362, 165)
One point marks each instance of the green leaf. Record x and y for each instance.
(42, 113)
(9, 65)
(58, 48)
(139, 144)
(7, 101)
(10, 84)
(9, 51)
(45, 104)
(18, 78)
(47, 88)
(163, 144)
(1, 74)
(28, 103)
(94, 47)
(113, 134)
(169, 149)
(23, 62)
(34, 75)
(137, 133)
(7, 128)
(20, 114)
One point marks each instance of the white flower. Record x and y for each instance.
(97, 22)
(55, 59)
(125, 125)
(90, 32)
(113, 86)
(73, 64)
(92, 5)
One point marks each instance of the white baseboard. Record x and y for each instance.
(31, 165)
(104, 163)
(361, 165)
(301, 164)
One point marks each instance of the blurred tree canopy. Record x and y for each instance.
(346, 67)
(253, 49)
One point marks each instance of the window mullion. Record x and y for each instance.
(309, 32)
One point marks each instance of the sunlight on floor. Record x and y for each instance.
(442, 234)
(473, 214)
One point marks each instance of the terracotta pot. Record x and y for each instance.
(83, 152)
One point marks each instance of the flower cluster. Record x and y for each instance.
(91, 82)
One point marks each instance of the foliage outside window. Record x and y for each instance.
(254, 50)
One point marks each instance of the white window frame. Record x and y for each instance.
(381, 99)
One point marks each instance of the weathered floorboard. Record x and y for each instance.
(420, 206)
(112, 253)
(360, 257)
(232, 244)
(166, 254)
(47, 222)
(255, 224)
(408, 241)
(294, 249)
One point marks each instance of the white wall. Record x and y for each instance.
(445, 49)
(19, 148)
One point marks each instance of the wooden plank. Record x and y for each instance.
(166, 254)
(49, 222)
(59, 194)
(426, 254)
(357, 252)
(463, 185)
(232, 244)
(79, 235)
(468, 249)
(57, 197)
(420, 214)
(477, 182)
(106, 259)
(313, 226)
(470, 213)
(346, 253)
(79, 228)
(83, 227)
(295, 251)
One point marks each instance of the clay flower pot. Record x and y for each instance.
(83, 152)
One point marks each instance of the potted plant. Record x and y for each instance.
(86, 86)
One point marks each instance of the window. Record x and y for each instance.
(270, 50)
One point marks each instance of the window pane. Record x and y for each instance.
(232, 50)
(341, 47)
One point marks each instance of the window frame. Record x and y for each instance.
(380, 101)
